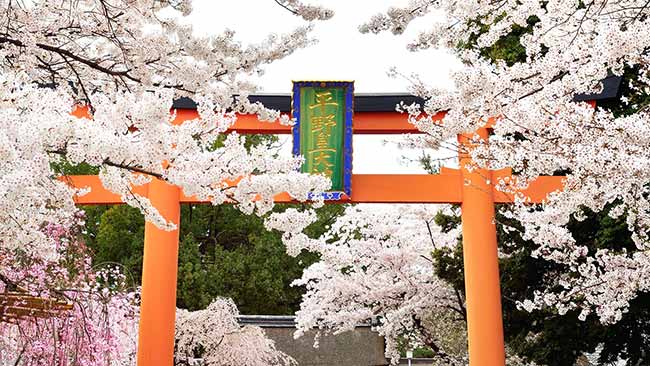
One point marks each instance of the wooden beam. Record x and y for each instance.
(406, 188)
(367, 188)
(25, 300)
(391, 188)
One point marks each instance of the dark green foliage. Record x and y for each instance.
(508, 48)
(227, 253)
(546, 337)
(119, 239)
(64, 167)
(430, 165)
(629, 338)
(600, 231)
(448, 264)
(222, 253)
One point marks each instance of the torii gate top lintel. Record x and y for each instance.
(374, 118)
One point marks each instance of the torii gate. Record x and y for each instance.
(373, 114)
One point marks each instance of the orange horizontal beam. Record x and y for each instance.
(366, 188)
(369, 123)
(98, 195)
(391, 188)
(406, 188)
(537, 190)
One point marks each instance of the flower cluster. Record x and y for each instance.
(100, 327)
(375, 266)
(125, 62)
(540, 129)
(307, 12)
(215, 337)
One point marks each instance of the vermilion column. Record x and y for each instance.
(482, 285)
(159, 272)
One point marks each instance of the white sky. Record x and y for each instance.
(342, 53)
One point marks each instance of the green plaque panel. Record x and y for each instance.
(323, 132)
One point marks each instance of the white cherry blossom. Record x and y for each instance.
(539, 128)
(126, 62)
(375, 266)
(215, 337)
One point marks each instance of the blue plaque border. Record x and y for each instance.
(348, 87)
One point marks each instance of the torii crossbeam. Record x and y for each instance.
(471, 189)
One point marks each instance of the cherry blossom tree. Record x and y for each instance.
(98, 329)
(378, 266)
(375, 266)
(214, 337)
(126, 61)
(538, 127)
(118, 65)
(101, 326)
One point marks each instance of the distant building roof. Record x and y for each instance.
(275, 321)
(268, 321)
(356, 347)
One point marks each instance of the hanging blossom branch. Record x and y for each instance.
(307, 12)
(128, 61)
(99, 326)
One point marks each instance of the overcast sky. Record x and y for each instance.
(342, 53)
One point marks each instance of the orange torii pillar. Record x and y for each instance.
(159, 275)
(481, 263)
(159, 264)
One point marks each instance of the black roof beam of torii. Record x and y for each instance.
(378, 102)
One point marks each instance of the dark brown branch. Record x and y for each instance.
(554, 79)
(69, 54)
(430, 234)
(130, 168)
(430, 342)
(286, 7)
(461, 304)
(81, 84)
